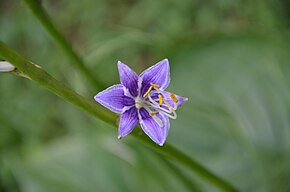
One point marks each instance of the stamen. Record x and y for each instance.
(156, 86)
(156, 119)
(170, 107)
(174, 116)
(162, 110)
(153, 113)
(157, 106)
(173, 97)
(161, 106)
(148, 91)
(160, 99)
(150, 99)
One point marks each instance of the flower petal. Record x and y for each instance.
(6, 66)
(157, 74)
(114, 99)
(128, 78)
(128, 121)
(156, 132)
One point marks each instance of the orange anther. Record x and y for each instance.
(173, 97)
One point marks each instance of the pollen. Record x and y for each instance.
(153, 113)
(173, 97)
(160, 99)
(156, 86)
(148, 91)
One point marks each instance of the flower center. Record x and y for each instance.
(139, 103)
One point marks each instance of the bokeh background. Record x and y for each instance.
(229, 57)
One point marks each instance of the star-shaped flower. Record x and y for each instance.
(143, 99)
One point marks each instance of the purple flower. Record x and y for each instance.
(143, 99)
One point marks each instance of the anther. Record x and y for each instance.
(156, 86)
(153, 113)
(148, 91)
(173, 97)
(160, 99)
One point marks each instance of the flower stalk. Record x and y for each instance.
(39, 76)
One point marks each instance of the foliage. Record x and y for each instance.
(230, 58)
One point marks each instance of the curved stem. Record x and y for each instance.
(44, 19)
(189, 184)
(35, 73)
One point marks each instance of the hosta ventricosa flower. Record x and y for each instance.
(143, 99)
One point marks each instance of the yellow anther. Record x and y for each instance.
(153, 113)
(148, 91)
(160, 99)
(173, 97)
(156, 86)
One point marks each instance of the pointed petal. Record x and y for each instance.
(128, 78)
(156, 132)
(128, 121)
(114, 99)
(157, 74)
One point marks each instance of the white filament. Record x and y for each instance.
(152, 106)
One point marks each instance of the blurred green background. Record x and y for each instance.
(229, 57)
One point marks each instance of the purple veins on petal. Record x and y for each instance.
(158, 74)
(114, 99)
(156, 132)
(128, 120)
(128, 78)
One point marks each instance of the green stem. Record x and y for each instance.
(44, 19)
(180, 157)
(189, 184)
(35, 73)
(26, 68)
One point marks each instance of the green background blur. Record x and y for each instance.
(229, 57)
